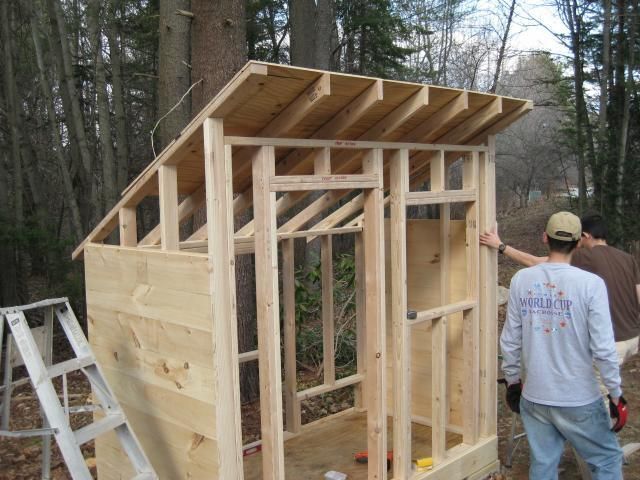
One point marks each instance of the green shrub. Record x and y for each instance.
(308, 294)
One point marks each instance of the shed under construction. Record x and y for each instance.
(162, 304)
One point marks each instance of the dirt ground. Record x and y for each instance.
(20, 459)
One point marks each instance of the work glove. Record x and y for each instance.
(514, 391)
(618, 412)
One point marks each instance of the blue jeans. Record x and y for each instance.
(586, 428)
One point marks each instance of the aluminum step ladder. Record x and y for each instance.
(57, 415)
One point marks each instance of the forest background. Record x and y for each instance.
(91, 90)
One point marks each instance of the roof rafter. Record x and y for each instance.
(442, 117)
(284, 102)
(244, 85)
(459, 135)
(287, 119)
(348, 116)
(347, 161)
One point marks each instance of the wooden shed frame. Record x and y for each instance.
(283, 129)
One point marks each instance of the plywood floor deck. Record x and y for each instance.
(331, 446)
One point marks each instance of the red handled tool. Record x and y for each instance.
(363, 457)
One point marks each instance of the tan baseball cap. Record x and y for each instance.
(564, 226)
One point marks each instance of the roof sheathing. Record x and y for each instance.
(261, 92)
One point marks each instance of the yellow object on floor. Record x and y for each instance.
(424, 463)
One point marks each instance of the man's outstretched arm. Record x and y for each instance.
(491, 239)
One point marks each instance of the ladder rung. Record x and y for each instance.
(145, 476)
(84, 408)
(41, 375)
(36, 432)
(69, 366)
(32, 306)
(96, 429)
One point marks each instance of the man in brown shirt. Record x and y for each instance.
(618, 269)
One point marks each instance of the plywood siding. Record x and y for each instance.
(150, 326)
(423, 291)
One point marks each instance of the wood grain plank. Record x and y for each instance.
(487, 295)
(268, 316)
(399, 186)
(168, 188)
(127, 222)
(222, 281)
(292, 405)
(376, 351)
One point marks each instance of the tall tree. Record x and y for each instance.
(114, 36)
(311, 23)
(8, 283)
(302, 20)
(72, 203)
(218, 47)
(174, 62)
(107, 154)
(373, 38)
(529, 153)
(11, 102)
(218, 51)
(573, 15)
(603, 42)
(627, 45)
(503, 45)
(267, 30)
(75, 117)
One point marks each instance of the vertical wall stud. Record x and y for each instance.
(439, 397)
(375, 308)
(328, 326)
(361, 324)
(268, 313)
(292, 404)
(219, 201)
(471, 326)
(168, 191)
(488, 294)
(127, 222)
(399, 183)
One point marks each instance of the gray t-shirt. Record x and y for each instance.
(558, 325)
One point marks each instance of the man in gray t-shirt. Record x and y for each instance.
(558, 325)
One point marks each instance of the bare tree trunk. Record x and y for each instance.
(624, 130)
(12, 110)
(604, 74)
(303, 32)
(503, 45)
(447, 42)
(599, 165)
(218, 50)
(311, 25)
(173, 69)
(74, 117)
(46, 92)
(109, 178)
(36, 188)
(8, 281)
(55, 48)
(15, 255)
(323, 29)
(115, 51)
(574, 22)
